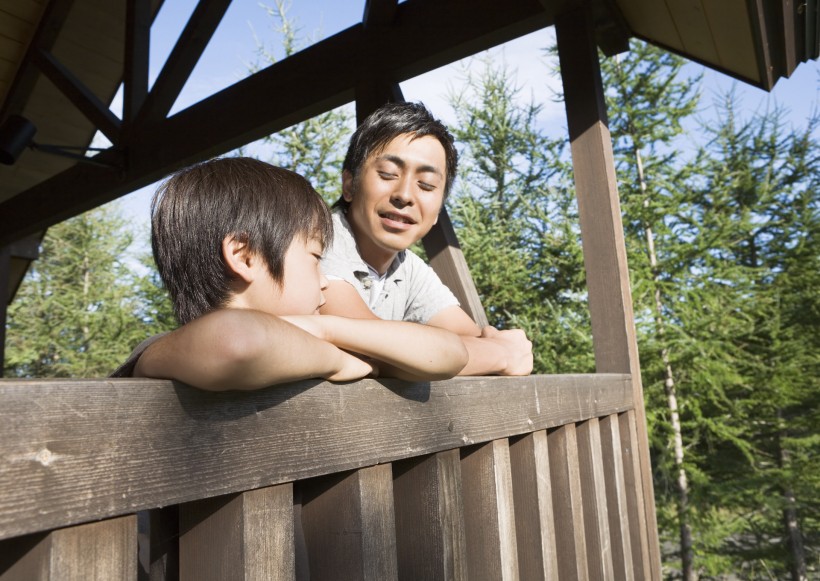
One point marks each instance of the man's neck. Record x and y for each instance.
(378, 258)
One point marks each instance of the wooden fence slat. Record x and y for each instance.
(634, 496)
(567, 503)
(613, 467)
(430, 541)
(67, 439)
(593, 493)
(489, 517)
(349, 525)
(98, 551)
(534, 519)
(243, 537)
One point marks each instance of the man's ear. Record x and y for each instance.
(347, 185)
(238, 257)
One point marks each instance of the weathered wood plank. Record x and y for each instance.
(567, 503)
(430, 540)
(242, 537)
(92, 449)
(349, 525)
(489, 518)
(593, 493)
(98, 551)
(534, 519)
(613, 467)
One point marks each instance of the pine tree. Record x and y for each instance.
(517, 222)
(762, 185)
(77, 312)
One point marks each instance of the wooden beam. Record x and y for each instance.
(137, 50)
(80, 444)
(183, 58)
(610, 298)
(276, 98)
(86, 102)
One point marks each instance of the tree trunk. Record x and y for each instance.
(794, 535)
(686, 551)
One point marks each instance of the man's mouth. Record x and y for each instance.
(396, 217)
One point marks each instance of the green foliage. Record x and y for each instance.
(517, 221)
(76, 313)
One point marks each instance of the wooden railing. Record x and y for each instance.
(472, 478)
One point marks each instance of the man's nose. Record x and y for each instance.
(403, 194)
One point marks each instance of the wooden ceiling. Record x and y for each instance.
(62, 61)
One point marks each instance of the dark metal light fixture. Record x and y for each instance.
(17, 133)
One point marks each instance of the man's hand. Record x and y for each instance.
(515, 348)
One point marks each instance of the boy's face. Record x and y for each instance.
(396, 198)
(303, 283)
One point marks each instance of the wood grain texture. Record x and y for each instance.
(593, 493)
(613, 468)
(242, 537)
(634, 497)
(567, 503)
(88, 449)
(98, 551)
(430, 541)
(610, 296)
(349, 525)
(489, 518)
(535, 524)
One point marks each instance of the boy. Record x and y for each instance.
(237, 243)
(398, 170)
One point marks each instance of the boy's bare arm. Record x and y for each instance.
(245, 349)
(410, 351)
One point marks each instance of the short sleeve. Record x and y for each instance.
(426, 294)
(127, 368)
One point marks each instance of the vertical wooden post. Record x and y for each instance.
(349, 525)
(610, 299)
(430, 518)
(246, 536)
(489, 518)
(535, 525)
(98, 551)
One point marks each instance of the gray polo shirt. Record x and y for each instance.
(408, 291)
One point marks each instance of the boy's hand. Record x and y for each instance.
(516, 347)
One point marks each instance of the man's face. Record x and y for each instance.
(396, 198)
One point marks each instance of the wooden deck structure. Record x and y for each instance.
(542, 477)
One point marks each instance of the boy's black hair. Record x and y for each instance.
(192, 212)
(388, 122)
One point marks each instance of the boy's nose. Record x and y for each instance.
(323, 283)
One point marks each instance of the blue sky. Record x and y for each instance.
(234, 48)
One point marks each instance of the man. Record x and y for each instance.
(398, 171)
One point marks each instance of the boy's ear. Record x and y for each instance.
(347, 185)
(239, 259)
